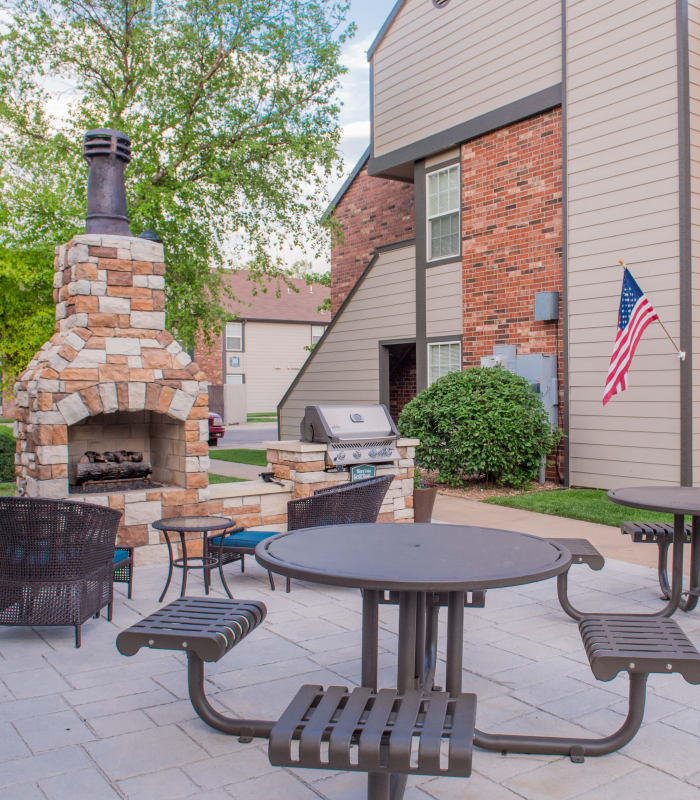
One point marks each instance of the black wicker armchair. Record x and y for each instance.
(338, 505)
(56, 561)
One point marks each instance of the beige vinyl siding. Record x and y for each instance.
(694, 62)
(345, 366)
(274, 354)
(443, 300)
(622, 143)
(438, 67)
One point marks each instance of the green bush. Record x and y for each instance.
(482, 422)
(7, 454)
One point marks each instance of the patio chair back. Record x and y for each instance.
(56, 561)
(341, 505)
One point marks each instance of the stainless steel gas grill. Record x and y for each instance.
(359, 434)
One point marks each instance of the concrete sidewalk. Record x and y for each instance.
(609, 541)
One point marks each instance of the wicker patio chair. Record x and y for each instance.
(339, 505)
(56, 561)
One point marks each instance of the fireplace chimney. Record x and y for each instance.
(107, 152)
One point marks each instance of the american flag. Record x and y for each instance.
(635, 313)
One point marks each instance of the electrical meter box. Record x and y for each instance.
(540, 371)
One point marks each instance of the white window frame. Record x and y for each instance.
(452, 210)
(315, 335)
(235, 326)
(235, 375)
(431, 347)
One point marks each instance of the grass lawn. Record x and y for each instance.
(6, 419)
(240, 456)
(590, 505)
(213, 478)
(7, 489)
(262, 416)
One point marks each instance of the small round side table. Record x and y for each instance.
(208, 561)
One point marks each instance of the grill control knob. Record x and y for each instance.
(372, 453)
(357, 454)
(340, 457)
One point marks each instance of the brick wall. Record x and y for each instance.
(209, 359)
(373, 212)
(512, 238)
(402, 383)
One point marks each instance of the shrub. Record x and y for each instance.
(7, 454)
(483, 422)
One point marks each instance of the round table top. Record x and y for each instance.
(193, 524)
(672, 499)
(412, 557)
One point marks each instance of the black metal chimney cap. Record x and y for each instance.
(105, 142)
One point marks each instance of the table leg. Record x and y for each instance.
(455, 639)
(421, 628)
(183, 544)
(676, 569)
(431, 633)
(694, 588)
(206, 572)
(170, 566)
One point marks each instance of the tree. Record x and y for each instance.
(26, 307)
(231, 111)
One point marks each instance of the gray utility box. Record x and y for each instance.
(540, 371)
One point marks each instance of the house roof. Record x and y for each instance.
(385, 27)
(260, 301)
(346, 184)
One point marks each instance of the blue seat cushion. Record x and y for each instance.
(243, 539)
(120, 554)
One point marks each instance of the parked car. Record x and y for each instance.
(216, 429)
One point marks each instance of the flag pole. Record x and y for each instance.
(681, 353)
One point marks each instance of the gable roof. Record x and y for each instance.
(364, 158)
(385, 27)
(259, 301)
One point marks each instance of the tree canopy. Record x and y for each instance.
(230, 106)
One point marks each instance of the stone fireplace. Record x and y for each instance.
(112, 378)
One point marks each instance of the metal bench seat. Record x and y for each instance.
(638, 644)
(205, 626)
(582, 552)
(614, 643)
(660, 534)
(369, 731)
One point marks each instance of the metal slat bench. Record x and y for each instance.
(636, 644)
(377, 732)
(660, 534)
(582, 552)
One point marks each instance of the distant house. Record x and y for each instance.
(517, 151)
(268, 342)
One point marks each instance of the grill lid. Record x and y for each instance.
(347, 423)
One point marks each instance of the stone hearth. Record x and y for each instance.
(112, 374)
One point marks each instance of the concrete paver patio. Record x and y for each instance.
(92, 723)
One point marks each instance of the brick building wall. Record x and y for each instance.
(512, 238)
(402, 383)
(373, 212)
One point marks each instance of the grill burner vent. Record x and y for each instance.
(362, 434)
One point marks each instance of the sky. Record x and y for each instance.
(368, 15)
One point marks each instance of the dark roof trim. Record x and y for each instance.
(346, 185)
(516, 111)
(285, 321)
(329, 328)
(385, 27)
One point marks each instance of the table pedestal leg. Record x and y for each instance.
(455, 639)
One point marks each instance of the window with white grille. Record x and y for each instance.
(443, 357)
(234, 379)
(234, 336)
(317, 333)
(443, 212)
